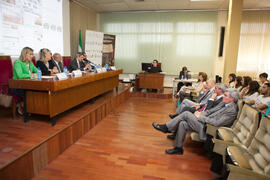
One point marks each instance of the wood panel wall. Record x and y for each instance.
(80, 19)
(34, 160)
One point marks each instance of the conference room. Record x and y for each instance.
(134, 89)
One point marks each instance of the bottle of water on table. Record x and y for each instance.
(39, 74)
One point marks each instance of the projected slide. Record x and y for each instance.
(34, 23)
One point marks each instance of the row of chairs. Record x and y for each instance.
(6, 73)
(244, 147)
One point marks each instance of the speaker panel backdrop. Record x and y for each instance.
(174, 38)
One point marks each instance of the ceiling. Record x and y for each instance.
(163, 5)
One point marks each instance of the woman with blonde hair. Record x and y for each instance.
(23, 68)
(45, 56)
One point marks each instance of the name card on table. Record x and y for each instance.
(113, 68)
(99, 70)
(77, 73)
(103, 69)
(61, 76)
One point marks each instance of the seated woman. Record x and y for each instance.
(183, 75)
(253, 91)
(238, 83)
(263, 100)
(185, 91)
(45, 56)
(23, 69)
(231, 80)
(245, 82)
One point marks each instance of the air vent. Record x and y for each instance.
(139, 0)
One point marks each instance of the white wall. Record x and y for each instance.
(66, 28)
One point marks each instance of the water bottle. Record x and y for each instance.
(39, 74)
(106, 66)
(65, 71)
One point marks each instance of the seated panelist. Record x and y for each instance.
(78, 64)
(23, 69)
(56, 62)
(154, 67)
(45, 56)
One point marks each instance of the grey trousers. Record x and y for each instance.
(182, 123)
(185, 103)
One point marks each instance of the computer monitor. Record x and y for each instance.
(146, 66)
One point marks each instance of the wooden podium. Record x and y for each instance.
(151, 81)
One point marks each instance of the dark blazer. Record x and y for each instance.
(155, 69)
(52, 63)
(74, 65)
(182, 75)
(43, 68)
(211, 103)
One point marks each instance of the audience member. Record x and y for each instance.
(77, 63)
(238, 83)
(263, 100)
(222, 115)
(183, 75)
(263, 78)
(215, 100)
(202, 99)
(252, 92)
(245, 82)
(231, 79)
(197, 88)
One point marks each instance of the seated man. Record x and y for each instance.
(262, 101)
(155, 68)
(56, 62)
(202, 99)
(215, 100)
(77, 63)
(222, 115)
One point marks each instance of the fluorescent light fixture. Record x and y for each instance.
(204, 0)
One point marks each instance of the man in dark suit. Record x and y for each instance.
(214, 100)
(78, 64)
(222, 115)
(87, 61)
(57, 62)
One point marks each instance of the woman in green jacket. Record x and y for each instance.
(23, 69)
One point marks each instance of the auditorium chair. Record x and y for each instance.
(6, 73)
(66, 60)
(252, 162)
(34, 60)
(211, 130)
(241, 133)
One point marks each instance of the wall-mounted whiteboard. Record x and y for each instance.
(94, 46)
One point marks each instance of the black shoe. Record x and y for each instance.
(171, 136)
(173, 115)
(175, 151)
(160, 127)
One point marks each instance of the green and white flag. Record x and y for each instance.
(80, 42)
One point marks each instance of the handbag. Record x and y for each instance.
(5, 99)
